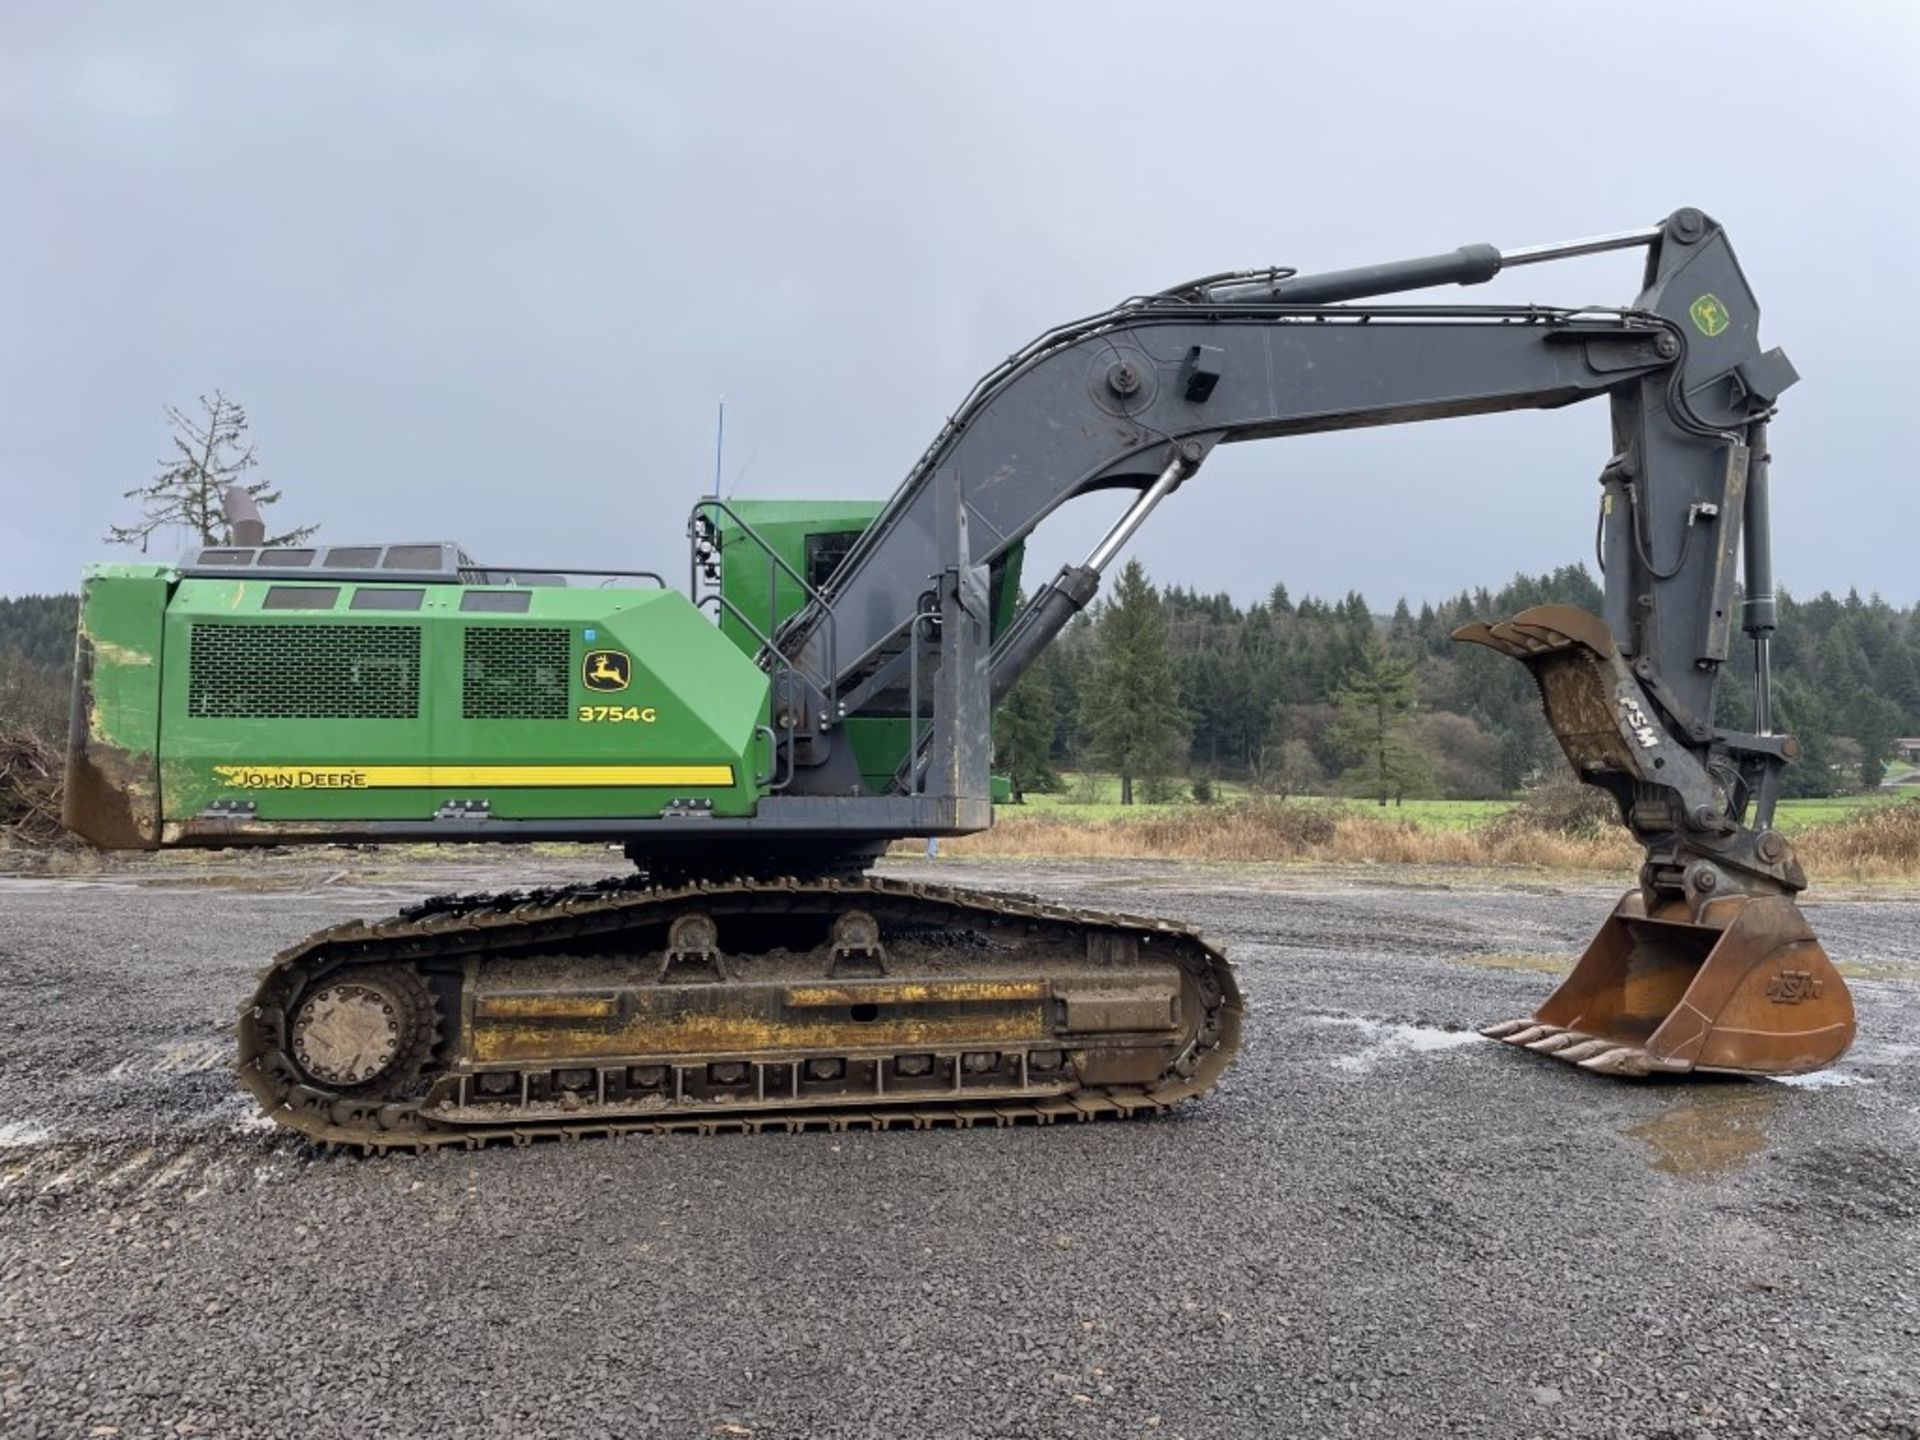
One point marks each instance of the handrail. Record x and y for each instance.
(490, 569)
(716, 504)
(720, 602)
(915, 769)
(772, 779)
(870, 685)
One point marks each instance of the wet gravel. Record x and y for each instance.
(1377, 1226)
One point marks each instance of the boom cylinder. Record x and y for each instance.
(1136, 514)
(1615, 553)
(1469, 265)
(1760, 613)
(1068, 592)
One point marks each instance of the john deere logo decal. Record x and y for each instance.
(606, 670)
(1709, 315)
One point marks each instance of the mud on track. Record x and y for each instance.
(1379, 1225)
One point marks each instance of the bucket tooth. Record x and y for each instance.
(1584, 1050)
(1554, 1044)
(1523, 640)
(1534, 1031)
(1507, 1028)
(1478, 632)
(1619, 1060)
(1539, 635)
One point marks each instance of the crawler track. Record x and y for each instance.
(590, 966)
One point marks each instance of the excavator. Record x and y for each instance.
(825, 687)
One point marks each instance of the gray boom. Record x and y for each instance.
(1137, 397)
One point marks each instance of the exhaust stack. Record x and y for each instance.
(245, 525)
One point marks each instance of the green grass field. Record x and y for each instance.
(1072, 803)
(1798, 814)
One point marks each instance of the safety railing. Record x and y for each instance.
(913, 768)
(533, 574)
(704, 549)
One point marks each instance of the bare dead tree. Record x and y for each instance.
(211, 452)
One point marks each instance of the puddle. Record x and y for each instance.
(1710, 1136)
(1546, 962)
(1385, 1041)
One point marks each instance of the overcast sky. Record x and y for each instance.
(481, 271)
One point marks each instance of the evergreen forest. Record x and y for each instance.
(1175, 691)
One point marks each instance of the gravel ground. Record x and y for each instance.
(1379, 1225)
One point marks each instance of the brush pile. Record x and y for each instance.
(30, 775)
(1562, 809)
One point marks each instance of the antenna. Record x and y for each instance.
(719, 445)
(741, 473)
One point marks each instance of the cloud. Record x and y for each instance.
(482, 271)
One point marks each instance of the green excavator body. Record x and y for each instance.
(277, 701)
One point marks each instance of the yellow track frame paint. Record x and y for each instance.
(546, 1007)
(916, 992)
(750, 1029)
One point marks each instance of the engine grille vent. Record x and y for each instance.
(516, 674)
(303, 672)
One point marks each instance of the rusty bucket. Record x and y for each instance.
(1743, 988)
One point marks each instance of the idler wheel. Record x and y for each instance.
(358, 1028)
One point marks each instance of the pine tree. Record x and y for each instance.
(1023, 730)
(1876, 722)
(1799, 710)
(211, 453)
(1130, 707)
(1375, 702)
(1070, 658)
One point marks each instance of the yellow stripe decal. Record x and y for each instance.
(441, 777)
